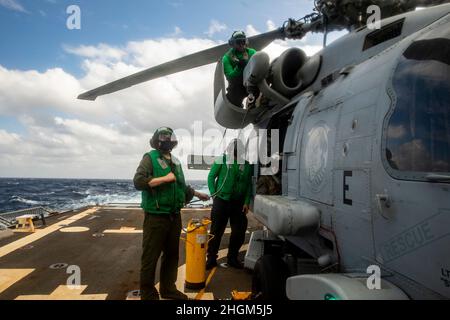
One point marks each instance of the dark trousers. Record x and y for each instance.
(236, 91)
(221, 212)
(161, 235)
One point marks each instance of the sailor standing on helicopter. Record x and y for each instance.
(234, 62)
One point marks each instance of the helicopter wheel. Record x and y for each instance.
(269, 278)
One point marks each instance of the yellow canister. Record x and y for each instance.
(196, 247)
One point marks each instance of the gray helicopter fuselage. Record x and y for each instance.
(356, 154)
(365, 162)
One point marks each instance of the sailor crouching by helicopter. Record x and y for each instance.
(230, 184)
(234, 63)
(164, 192)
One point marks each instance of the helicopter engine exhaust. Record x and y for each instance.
(256, 74)
(285, 75)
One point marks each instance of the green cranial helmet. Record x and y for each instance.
(164, 139)
(238, 37)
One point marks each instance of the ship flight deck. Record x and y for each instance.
(101, 245)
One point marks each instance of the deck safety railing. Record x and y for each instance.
(8, 219)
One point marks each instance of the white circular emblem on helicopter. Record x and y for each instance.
(316, 156)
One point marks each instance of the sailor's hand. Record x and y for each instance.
(245, 208)
(202, 196)
(243, 63)
(170, 178)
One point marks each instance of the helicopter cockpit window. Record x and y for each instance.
(418, 134)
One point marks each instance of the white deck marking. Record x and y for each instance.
(74, 229)
(8, 277)
(65, 293)
(124, 230)
(13, 246)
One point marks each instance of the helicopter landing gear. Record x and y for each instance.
(269, 279)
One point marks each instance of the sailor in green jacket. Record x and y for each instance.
(234, 63)
(164, 192)
(231, 186)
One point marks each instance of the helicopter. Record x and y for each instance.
(363, 205)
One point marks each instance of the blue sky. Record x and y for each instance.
(44, 66)
(33, 38)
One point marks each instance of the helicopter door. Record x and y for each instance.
(291, 149)
(412, 197)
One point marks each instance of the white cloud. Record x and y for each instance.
(412, 156)
(276, 48)
(66, 137)
(111, 134)
(215, 27)
(23, 92)
(251, 31)
(8, 140)
(102, 52)
(153, 52)
(271, 25)
(13, 5)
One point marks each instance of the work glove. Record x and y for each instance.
(251, 98)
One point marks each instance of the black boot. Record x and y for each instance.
(235, 263)
(211, 263)
(174, 294)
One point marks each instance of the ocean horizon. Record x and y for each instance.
(64, 194)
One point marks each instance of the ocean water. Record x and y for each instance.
(59, 195)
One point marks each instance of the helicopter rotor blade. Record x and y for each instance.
(191, 61)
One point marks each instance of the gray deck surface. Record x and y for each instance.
(109, 264)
